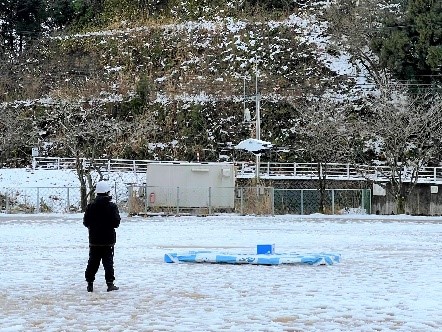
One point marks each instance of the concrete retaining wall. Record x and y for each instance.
(421, 202)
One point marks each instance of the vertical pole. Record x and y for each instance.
(258, 97)
(273, 200)
(258, 121)
(129, 201)
(7, 201)
(242, 201)
(363, 200)
(333, 201)
(369, 204)
(68, 201)
(302, 201)
(244, 103)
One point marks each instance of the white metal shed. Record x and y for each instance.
(191, 185)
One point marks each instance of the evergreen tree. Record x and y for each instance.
(87, 12)
(410, 45)
(20, 22)
(60, 13)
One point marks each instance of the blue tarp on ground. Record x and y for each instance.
(257, 259)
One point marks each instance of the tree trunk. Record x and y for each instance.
(83, 198)
(322, 185)
(83, 188)
(400, 204)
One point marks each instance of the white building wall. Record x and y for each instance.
(191, 185)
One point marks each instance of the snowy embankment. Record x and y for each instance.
(54, 190)
(28, 178)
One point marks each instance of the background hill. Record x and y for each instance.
(169, 80)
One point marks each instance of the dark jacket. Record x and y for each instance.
(101, 218)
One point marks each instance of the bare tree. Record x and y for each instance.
(323, 134)
(405, 133)
(86, 133)
(18, 135)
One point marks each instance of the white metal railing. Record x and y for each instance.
(107, 165)
(267, 170)
(336, 171)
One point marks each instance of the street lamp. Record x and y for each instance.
(256, 146)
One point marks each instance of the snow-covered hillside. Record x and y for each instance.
(184, 88)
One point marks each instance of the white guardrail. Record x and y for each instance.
(267, 170)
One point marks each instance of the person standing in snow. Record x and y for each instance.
(101, 218)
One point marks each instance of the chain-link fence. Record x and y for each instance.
(336, 201)
(247, 200)
(40, 199)
(50, 199)
(178, 200)
(139, 200)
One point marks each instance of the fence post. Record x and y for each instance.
(130, 199)
(363, 200)
(7, 201)
(366, 194)
(333, 201)
(302, 201)
(273, 200)
(68, 203)
(242, 201)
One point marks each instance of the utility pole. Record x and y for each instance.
(258, 123)
(247, 117)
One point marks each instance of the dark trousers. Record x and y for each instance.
(99, 254)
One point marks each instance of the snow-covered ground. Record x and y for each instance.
(388, 280)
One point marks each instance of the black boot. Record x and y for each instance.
(111, 287)
(90, 286)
